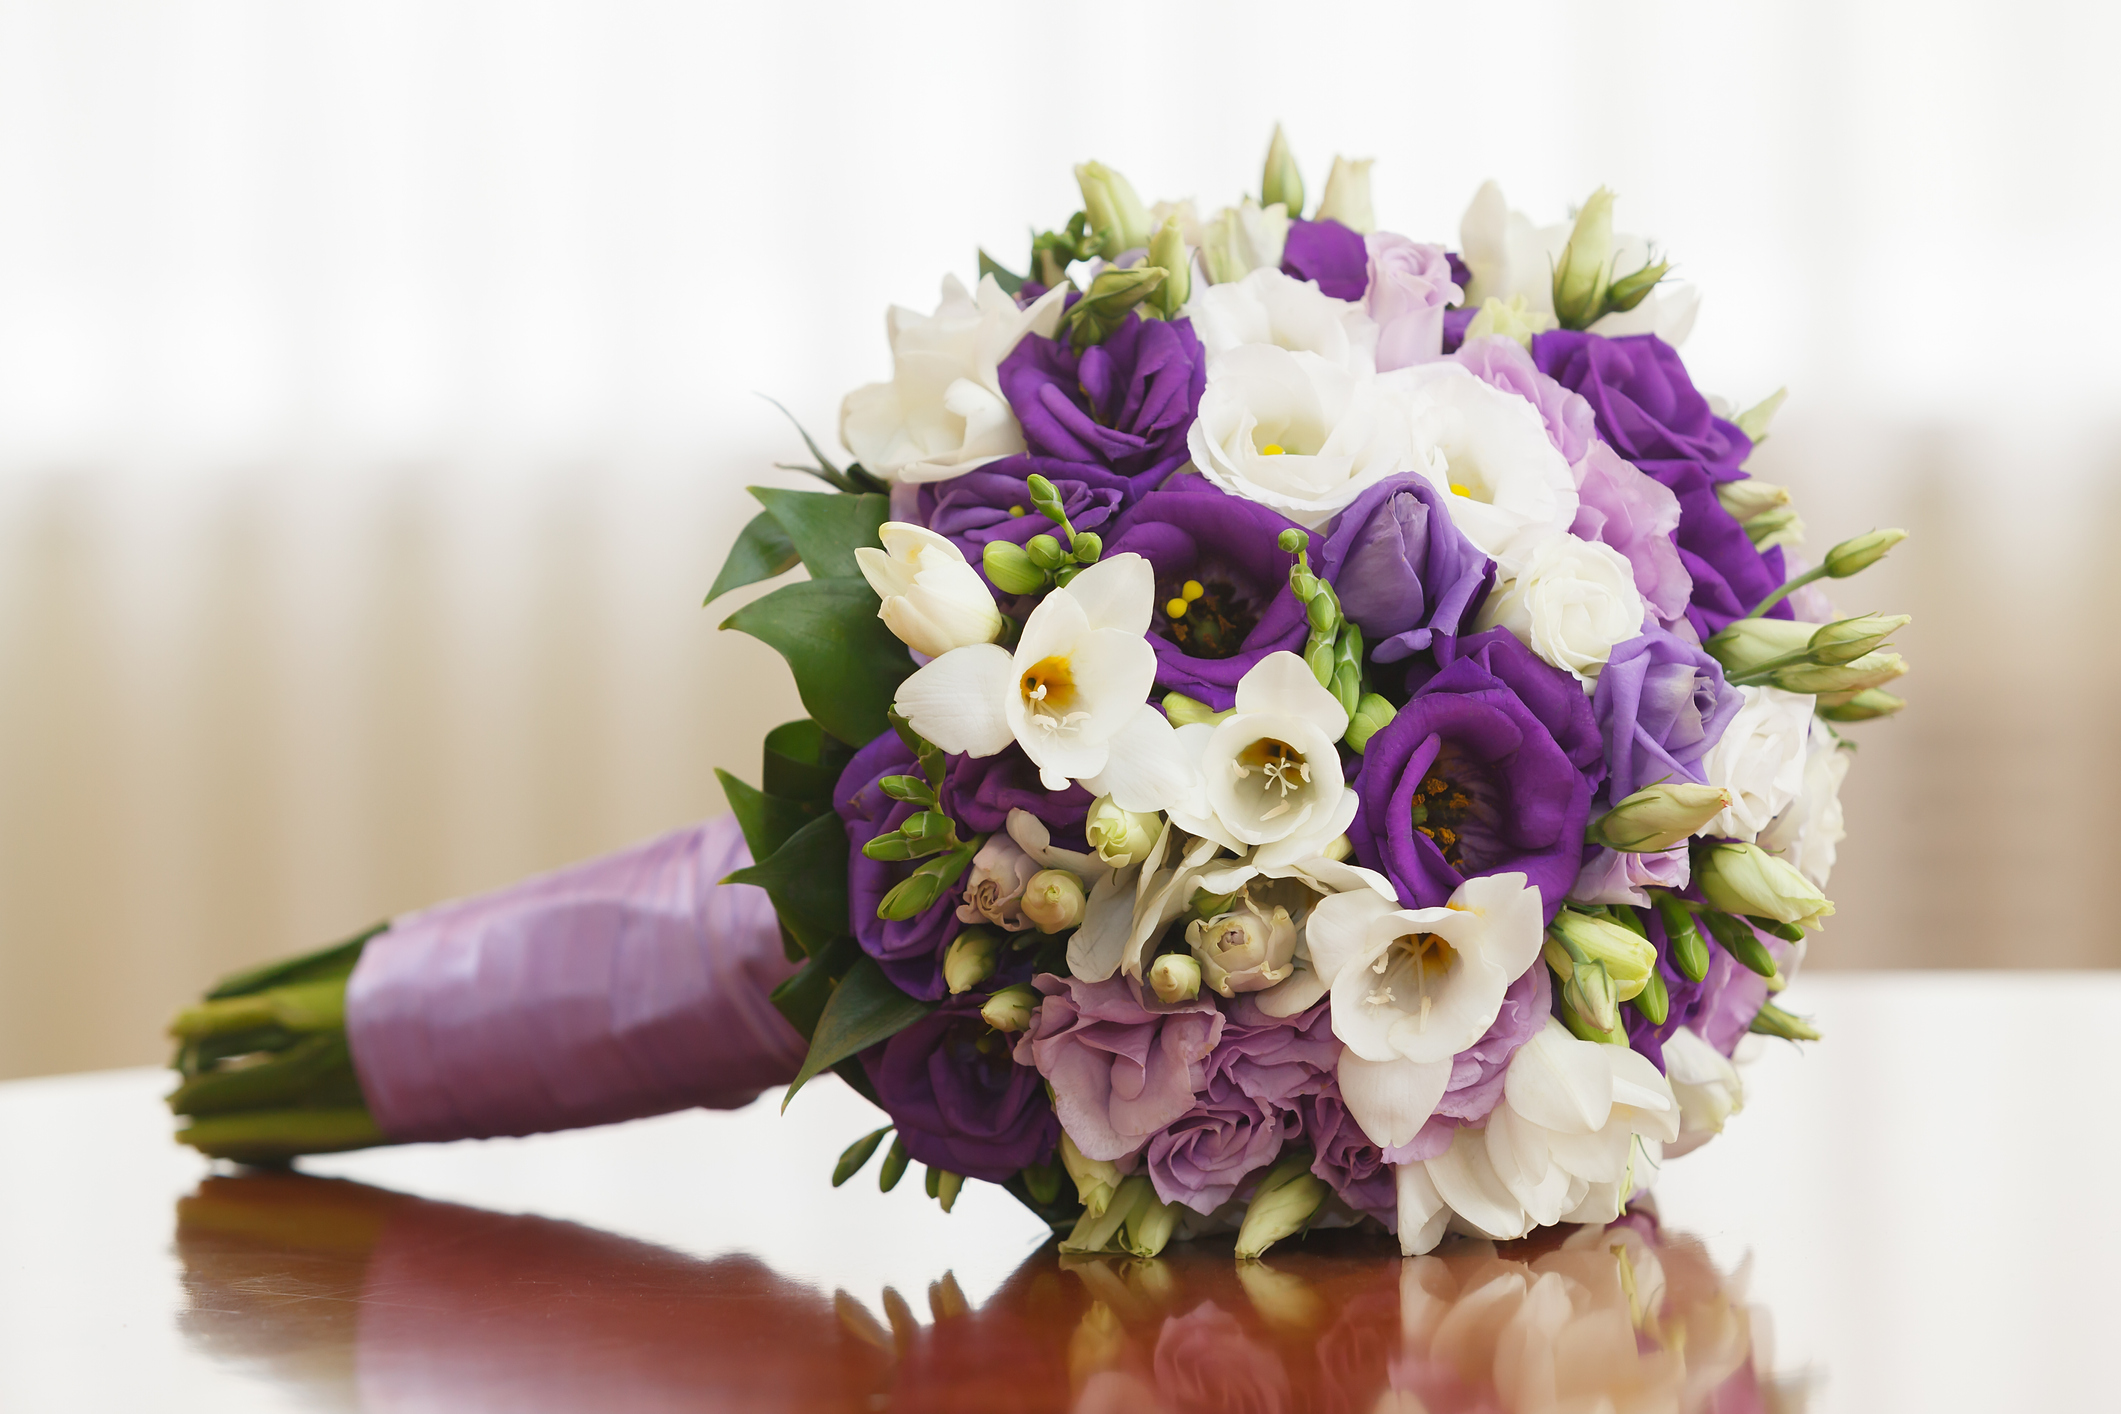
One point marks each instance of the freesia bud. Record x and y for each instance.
(1869, 671)
(1185, 711)
(1627, 957)
(1653, 1001)
(1580, 274)
(1120, 836)
(1864, 706)
(1174, 977)
(1095, 1179)
(1741, 942)
(969, 960)
(1246, 950)
(1371, 715)
(1852, 556)
(1283, 1204)
(1105, 307)
(1240, 239)
(1011, 570)
(1846, 640)
(1347, 196)
(1116, 214)
(1053, 900)
(1744, 878)
(1750, 497)
(1779, 525)
(1087, 547)
(1657, 817)
(932, 599)
(1754, 422)
(1748, 643)
(1514, 320)
(1281, 182)
(1630, 290)
(1167, 252)
(1689, 954)
(1045, 552)
(1009, 1010)
(1774, 1021)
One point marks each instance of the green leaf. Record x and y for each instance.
(857, 1154)
(767, 820)
(762, 551)
(802, 997)
(851, 479)
(865, 1009)
(803, 763)
(807, 880)
(324, 964)
(826, 527)
(1009, 282)
(847, 665)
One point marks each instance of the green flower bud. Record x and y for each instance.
(1086, 547)
(1580, 275)
(1574, 938)
(1167, 252)
(1045, 498)
(1754, 421)
(1293, 541)
(1011, 570)
(1281, 182)
(1320, 612)
(1864, 706)
(1096, 1180)
(1116, 215)
(1347, 196)
(1010, 1009)
(1053, 900)
(1744, 878)
(1774, 1021)
(1515, 320)
(1347, 687)
(1779, 525)
(1149, 1227)
(1282, 1206)
(1318, 657)
(1748, 643)
(1113, 293)
(947, 1187)
(1751, 497)
(1174, 977)
(1689, 953)
(1846, 640)
(1045, 552)
(918, 892)
(1653, 1001)
(1371, 715)
(1741, 942)
(1852, 556)
(894, 1166)
(1869, 671)
(1630, 290)
(1095, 1231)
(856, 1155)
(970, 959)
(1184, 711)
(1120, 837)
(1658, 817)
(1588, 990)
(892, 848)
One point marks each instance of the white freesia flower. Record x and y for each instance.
(1510, 257)
(943, 413)
(1413, 987)
(1488, 451)
(1571, 602)
(1136, 903)
(1705, 1085)
(1239, 239)
(1759, 760)
(933, 600)
(1576, 1120)
(1808, 829)
(1270, 773)
(1073, 695)
(1297, 432)
(1268, 307)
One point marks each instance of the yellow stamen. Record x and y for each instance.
(1016, 510)
(1049, 683)
(1458, 490)
(1272, 449)
(1176, 608)
(1192, 590)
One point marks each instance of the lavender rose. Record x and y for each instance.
(1201, 1158)
(1120, 1071)
(1123, 405)
(959, 1101)
(1661, 703)
(1636, 515)
(1410, 288)
(1502, 362)
(1329, 253)
(1406, 576)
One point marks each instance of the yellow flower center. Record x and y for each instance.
(1273, 449)
(1048, 684)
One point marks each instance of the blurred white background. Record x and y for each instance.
(378, 384)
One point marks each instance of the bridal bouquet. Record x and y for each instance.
(1306, 727)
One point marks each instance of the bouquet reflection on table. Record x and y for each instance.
(410, 1304)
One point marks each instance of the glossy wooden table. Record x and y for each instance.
(1921, 1213)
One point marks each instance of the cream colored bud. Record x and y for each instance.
(1750, 497)
(1281, 182)
(1745, 879)
(1852, 556)
(1096, 1180)
(1053, 900)
(1167, 251)
(1246, 950)
(1284, 1203)
(1626, 955)
(1174, 977)
(1747, 643)
(1581, 275)
(1857, 675)
(1120, 837)
(1846, 640)
(1659, 816)
(1010, 1009)
(1347, 196)
(1514, 320)
(969, 960)
(1116, 214)
(932, 599)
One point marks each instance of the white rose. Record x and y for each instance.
(1572, 602)
(933, 600)
(1759, 760)
(943, 413)
(1296, 431)
(1705, 1084)
(1809, 828)
(1511, 258)
(1268, 307)
(1488, 451)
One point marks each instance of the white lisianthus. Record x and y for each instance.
(1706, 1086)
(933, 600)
(1268, 307)
(1073, 695)
(1576, 1121)
(1510, 257)
(943, 413)
(1572, 602)
(1488, 451)
(1239, 239)
(1297, 432)
(1270, 773)
(1808, 829)
(1412, 988)
(1759, 760)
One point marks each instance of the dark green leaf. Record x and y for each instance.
(1009, 282)
(857, 1154)
(803, 763)
(865, 1009)
(824, 470)
(807, 880)
(767, 820)
(802, 997)
(761, 552)
(847, 665)
(335, 961)
(826, 527)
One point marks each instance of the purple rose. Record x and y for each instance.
(1501, 362)
(1123, 405)
(1636, 515)
(982, 790)
(1120, 1070)
(1405, 575)
(1201, 1157)
(959, 1101)
(1344, 1157)
(1276, 1058)
(993, 502)
(1329, 253)
(1226, 545)
(1488, 769)
(1661, 703)
(1410, 286)
(1650, 413)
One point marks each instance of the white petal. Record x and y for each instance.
(1119, 592)
(885, 575)
(1302, 849)
(1280, 682)
(1145, 771)
(1422, 1212)
(1338, 930)
(1391, 1099)
(958, 700)
(1466, 1180)
(1051, 630)
(1561, 1083)
(1292, 994)
(1095, 949)
(1637, 1082)
(904, 540)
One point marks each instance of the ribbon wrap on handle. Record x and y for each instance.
(630, 985)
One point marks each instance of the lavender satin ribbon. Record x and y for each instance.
(627, 986)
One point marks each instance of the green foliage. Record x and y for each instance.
(864, 1008)
(1003, 276)
(825, 527)
(768, 821)
(803, 763)
(857, 1154)
(763, 551)
(336, 961)
(807, 880)
(847, 665)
